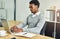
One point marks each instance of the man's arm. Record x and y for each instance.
(18, 28)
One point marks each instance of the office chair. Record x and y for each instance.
(43, 29)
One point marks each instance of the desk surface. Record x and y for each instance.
(9, 36)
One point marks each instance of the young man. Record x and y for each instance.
(35, 21)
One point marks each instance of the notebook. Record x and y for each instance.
(25, 34)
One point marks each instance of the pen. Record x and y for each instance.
(24, 33)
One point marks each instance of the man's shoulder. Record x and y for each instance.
(41, 15)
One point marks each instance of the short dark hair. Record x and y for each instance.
(35, 2)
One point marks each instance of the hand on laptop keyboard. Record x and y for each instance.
(15, 29)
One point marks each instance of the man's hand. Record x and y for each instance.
(15, 29)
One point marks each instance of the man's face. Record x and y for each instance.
(33, 8)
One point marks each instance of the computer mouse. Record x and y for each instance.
(13, 38)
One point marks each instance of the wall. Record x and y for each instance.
(22, 9)
(9, 6)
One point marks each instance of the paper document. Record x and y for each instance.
(25, 34)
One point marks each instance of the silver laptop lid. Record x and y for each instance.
(5, 24)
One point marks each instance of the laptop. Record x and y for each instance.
(5, 25)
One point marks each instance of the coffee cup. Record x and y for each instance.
(3, 33)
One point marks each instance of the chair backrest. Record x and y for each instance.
(43, 29)
(49, 29)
